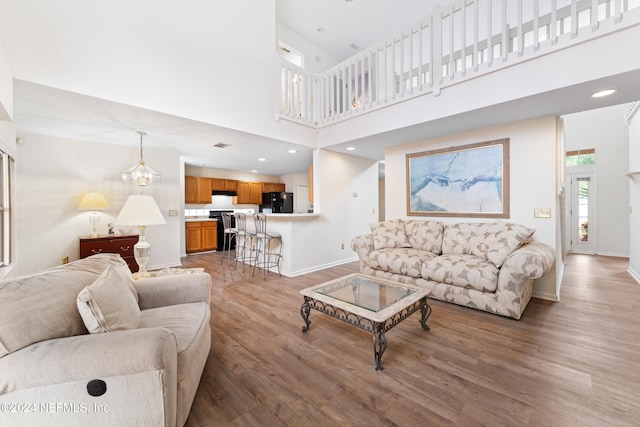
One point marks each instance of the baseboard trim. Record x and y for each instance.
(634, 274)
(318, 267)
(545, 296)
(614, 254)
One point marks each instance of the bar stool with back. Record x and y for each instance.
(229, 235)
(266, 258)
(245, 242)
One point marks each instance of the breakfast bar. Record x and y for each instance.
(298, 234)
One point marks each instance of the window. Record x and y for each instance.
(6, 165)
(580, 157)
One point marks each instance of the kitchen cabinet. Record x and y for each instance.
(268, 187)
(221, 184)
(249, 193)
(112, 244)
(201, 236)
(197, 189)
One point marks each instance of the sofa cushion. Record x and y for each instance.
(405, 261)
(425, 235)
(187, 322)
(108, 304)
(465, 271)
(496, 240)
(457, 237)
(42, 306)
(389, 234)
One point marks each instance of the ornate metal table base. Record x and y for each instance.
(377, 329)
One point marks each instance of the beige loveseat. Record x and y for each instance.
(489, 266)
(140, 365)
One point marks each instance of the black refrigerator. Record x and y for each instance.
(277, 202)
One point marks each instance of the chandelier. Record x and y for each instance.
(140, 174)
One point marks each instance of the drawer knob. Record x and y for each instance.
(96, 251)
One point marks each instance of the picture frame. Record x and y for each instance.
(464, 181)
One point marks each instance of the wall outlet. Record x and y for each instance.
(173, 213)
(65, 260)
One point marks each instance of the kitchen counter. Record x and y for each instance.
(291, 215)
(200, 219)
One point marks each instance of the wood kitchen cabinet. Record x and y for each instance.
(249, 193)
(268, 187)
(221, 184)
(197, 189)
(122, 245)
(201, 236)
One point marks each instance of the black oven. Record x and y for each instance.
(218, 215)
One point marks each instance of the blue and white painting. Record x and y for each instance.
(465, 181)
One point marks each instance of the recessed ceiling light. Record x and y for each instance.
(262, 159)
(254, 171)
(292, 151)
(351, 148)
(603, 93)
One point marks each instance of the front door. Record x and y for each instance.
(581, 215)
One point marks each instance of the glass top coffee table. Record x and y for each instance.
(370, 303)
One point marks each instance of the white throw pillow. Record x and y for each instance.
(389, 234)
(108, 303)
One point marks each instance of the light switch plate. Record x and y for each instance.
(542, 212)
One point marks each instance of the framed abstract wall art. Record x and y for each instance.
(465, 181)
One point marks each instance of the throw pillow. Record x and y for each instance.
(425, 235)
(389, 234)
(496, 240)
(108, 303)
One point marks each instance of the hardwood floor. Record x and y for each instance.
(570, 363)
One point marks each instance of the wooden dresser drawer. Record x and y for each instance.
(122, 245)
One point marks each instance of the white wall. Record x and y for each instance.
(310, 52)
(532, 179)
(6, 88)
(634, 197)
(219, 70)
(605, 130)
(53, 174)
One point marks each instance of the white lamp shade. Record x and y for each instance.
(93, 201)
(140, 210)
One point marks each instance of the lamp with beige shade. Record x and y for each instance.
(94, 202)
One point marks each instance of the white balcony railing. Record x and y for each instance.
(432, 55)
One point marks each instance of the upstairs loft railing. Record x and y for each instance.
(431, 55)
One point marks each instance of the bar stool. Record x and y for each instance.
(229, 235)
(266, 258)
(245, 242)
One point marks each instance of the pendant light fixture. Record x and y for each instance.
(140, 174)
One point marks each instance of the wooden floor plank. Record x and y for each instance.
(572, 362)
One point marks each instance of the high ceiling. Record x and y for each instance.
(45, 110)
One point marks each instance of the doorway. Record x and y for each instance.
(581, 215)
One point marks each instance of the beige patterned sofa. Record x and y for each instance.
(84, 344)
(489, 266)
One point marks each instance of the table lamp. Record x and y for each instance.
(140, 211)
(93, 201)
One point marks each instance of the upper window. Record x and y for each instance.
(580, 157)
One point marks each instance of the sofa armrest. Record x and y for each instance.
(362, 245)
(87, 357)
(173, 289)
(530, 261)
